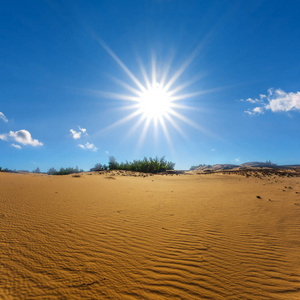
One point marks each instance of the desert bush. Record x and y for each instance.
(37, 170)
(99, 167)
(112, 164)
(63, 171)
(151, 165)
(7, 170)
(51, 171)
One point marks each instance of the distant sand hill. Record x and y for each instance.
(128, 235)
(249, 165)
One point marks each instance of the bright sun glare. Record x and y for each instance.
(155, 101)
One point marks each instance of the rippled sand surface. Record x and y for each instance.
(111, 236)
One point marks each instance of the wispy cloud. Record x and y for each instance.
(213, 150)
(275, 101)
(88, 146)
(82, 129)
(77, 134)
(2, 116)
(237, 160)
(22, 137)
(16, 146)
(3, 136)
(256, 100)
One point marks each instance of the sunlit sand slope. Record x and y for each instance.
(155, 237)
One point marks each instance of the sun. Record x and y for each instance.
(154, 99)
(155, 102)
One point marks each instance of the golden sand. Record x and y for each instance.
(157, 237)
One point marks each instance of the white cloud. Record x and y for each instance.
(276, 101)
(252, 100)
(237, 160)
(2, 116)
(82, 129)
(77, 134)
(256, 100)
(88, 146)
(213, 150)
(3, 136)
(24, 137)
(106, 152)
(16, 146)
(255, 110)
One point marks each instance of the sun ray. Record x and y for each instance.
(145, 76)
(186, 96)
(144, 132)
(175, 125)
(199, 93)
(189, 122)
(155, 125)
(135, 126)
(126, 86)
(122, 65)
(166, 133)
(182, 86)
(179, 72)
(183, 67)
(166, 71)
(111, 95)
(186, 107)
(129, 107)
(119, 96)
(153, 68)
(184, 119)
(124, 120)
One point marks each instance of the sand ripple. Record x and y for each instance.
(183, 237)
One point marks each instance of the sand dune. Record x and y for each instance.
(109, 236)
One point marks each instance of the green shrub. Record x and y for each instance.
(63, 171)
(151, 165)
(99, 167)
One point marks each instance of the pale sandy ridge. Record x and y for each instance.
(156, 237)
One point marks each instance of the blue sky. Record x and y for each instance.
(71, 71)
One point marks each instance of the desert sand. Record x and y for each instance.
(118, 236)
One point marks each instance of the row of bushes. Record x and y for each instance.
(63, 171)
(7, 170)
(151, 165)
(99, 167)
